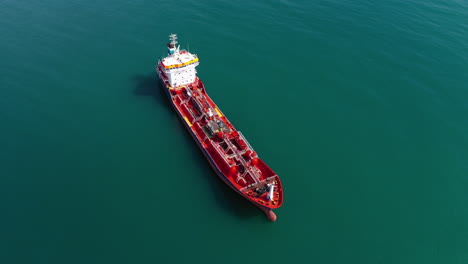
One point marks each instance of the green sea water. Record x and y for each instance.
(360, 107)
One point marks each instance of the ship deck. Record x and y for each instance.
(227, 147)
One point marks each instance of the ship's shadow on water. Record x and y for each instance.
(232, 202)
(149, 85)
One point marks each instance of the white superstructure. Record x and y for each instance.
(179, 65)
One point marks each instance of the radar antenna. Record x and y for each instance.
(173, 38)
(171, 46)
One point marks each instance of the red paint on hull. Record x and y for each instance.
(228, 152)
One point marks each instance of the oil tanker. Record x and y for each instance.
(228, 152)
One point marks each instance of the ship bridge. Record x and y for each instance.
(179, 65)
(179, 60)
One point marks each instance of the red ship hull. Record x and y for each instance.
(228, 153)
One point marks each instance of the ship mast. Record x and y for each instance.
(172, 45)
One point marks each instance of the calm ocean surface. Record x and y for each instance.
(360, 106)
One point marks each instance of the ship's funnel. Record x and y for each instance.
(171, 46)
